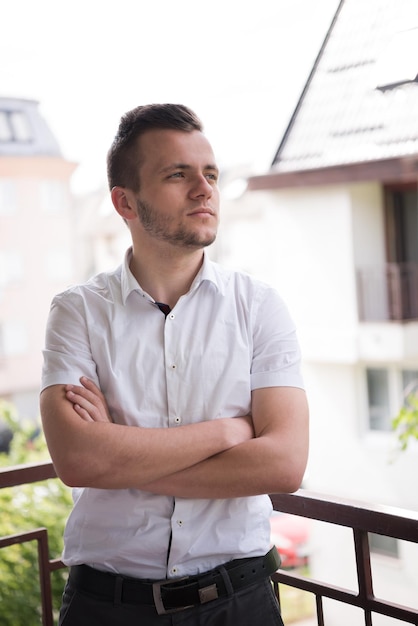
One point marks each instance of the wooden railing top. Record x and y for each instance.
(385, 520)
(27, 473)
(375, 518)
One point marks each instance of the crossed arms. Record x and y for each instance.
(223, 458)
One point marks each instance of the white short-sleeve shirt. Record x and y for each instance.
(228, 335)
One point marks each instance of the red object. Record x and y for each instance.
(290, 535)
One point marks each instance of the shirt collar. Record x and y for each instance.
(209, 271)
(128, 280)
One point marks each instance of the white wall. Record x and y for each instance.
(368, 224)
(303, 246)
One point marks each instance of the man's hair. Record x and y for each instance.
(123, 158)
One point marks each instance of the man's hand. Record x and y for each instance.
(241, 429)
(88, 401)
(90, 404)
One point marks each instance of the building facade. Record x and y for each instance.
(37, 255)
(334, 226)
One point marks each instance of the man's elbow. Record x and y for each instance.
(288, 479)
(69, 475)
(292, 483)
(73, 471)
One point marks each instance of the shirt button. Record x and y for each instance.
(177, 420)
(179, 522)
(173, 367)
(174, 570)
(172, 316)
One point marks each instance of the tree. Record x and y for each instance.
(23, 508)
(405, 423)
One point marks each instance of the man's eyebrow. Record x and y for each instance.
(174, 166)
(185, 166)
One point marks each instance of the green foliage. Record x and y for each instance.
(25, 508)
(406, 422)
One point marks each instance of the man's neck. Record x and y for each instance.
(166, 276)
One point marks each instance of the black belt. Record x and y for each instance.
(176, 594)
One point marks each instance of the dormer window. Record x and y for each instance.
(399, 63)
(14, 127)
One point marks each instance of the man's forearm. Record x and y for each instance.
(255, 467)
(89, 451)
(272, 462)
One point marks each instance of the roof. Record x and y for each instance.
(360, 102)
(23, 131)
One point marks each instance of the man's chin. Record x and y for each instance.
(195, 241)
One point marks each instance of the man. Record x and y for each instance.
(172, 401)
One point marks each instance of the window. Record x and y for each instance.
(386, 546)
(386, 392)
(13, 338)
(58, 265)
(14, 126)
(388, 291)
(401, 223)
(378, 396)
(20, 125)
(5, 129)
(8, 196)
(54, 198)
(11, 267)
(409, 381)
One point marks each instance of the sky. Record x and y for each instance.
(240, 65)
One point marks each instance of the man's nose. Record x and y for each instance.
(201, 187)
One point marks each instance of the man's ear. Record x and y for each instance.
(124, 202)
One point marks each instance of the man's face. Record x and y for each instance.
(178, 198)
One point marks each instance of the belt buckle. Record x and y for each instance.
(158, 601)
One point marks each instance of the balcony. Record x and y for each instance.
(387, 298)
(388, 293)
(360, 519)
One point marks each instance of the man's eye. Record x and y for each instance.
(213, 177)
(176, 175)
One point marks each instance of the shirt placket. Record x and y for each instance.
(173, 362)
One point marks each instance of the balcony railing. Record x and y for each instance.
(388, 292)
(362, 519)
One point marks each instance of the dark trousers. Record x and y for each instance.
(255, 605)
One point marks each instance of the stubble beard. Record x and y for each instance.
(159, 227)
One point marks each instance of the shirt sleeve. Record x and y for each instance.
(67, 354)
(276, 353)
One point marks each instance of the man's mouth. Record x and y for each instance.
(202, 212)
